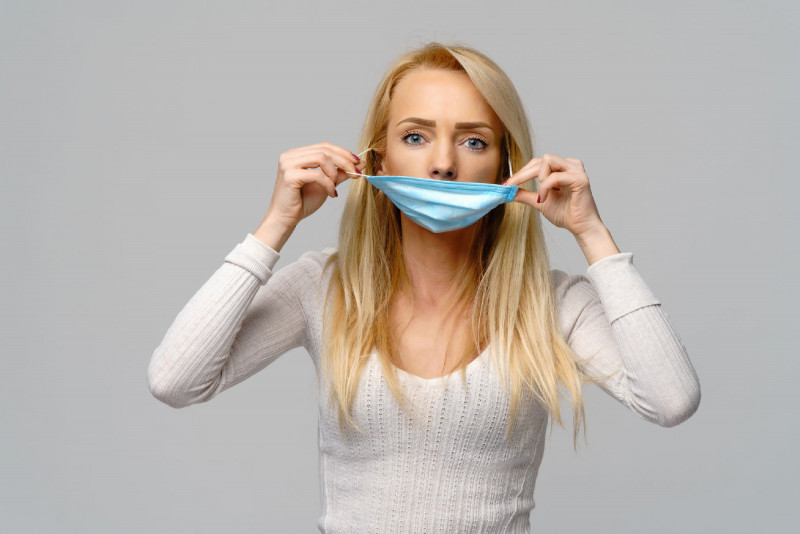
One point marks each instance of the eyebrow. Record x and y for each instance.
(459, 125)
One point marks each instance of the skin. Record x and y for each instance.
(437, 146)
(427, 138)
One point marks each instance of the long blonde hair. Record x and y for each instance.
(506, 283)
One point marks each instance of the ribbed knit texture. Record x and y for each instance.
(451, 470)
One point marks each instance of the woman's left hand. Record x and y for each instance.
(564, 196)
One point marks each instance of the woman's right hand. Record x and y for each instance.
(306, 176)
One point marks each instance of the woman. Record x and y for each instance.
(417, 293)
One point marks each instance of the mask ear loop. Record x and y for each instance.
(359, 155)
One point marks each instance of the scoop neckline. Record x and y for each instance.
(435, 380)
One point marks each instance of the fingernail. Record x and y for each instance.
(335, 193)
(539, 199)
(504, 183)
(357, 158)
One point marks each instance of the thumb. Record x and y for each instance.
(531, 198)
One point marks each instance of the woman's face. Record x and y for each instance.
(441, 127)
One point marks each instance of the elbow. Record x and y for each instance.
(166, 392)
(179, 393)
(165, 395)
(680, 411)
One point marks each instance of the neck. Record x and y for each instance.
(433, 260)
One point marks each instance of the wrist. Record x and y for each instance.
(597, 243)
(593, 234)
(273, 232)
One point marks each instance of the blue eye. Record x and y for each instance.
(473, 143)
(412, 138)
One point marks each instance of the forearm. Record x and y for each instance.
(626, 333)
(233, 326)
(189, 365)
(597, 244)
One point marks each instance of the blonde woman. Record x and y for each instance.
(439, 333)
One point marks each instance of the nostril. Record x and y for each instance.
(448, 174)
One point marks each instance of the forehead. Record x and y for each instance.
(439, 95)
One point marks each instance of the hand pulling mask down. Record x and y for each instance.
(442, 206)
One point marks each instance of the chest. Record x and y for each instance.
(431, 345)
(445, 412)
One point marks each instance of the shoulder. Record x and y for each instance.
(312, 262)
(574, 296)
(571, 289)
(308, 273)
(307, 280)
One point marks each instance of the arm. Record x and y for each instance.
(613, 319)
(234, 326)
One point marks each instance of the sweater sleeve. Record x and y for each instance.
(614, 321)
(237, 323)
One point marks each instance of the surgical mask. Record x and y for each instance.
(442, 206)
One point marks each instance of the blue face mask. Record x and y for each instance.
(442, 206)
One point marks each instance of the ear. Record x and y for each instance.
(381, 170)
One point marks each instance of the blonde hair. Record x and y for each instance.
(505, 286)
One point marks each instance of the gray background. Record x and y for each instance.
(138, 146)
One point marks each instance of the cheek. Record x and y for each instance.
(403, 162)
(389, 164)
(486, 169)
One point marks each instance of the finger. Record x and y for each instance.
(336, 149)
(345, 160)
(301, 177)
(359, 170)
(555, 181)
(531, 163)
(330, 163)
(526, 173)
(347, 175)
(313, 159)
(557, 163)
(543, 167)
(341, 158)
(529, 197)
(576, 163)
(544, 170)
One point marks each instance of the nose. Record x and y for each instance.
(443, 166)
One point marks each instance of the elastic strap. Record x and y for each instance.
(359, 156)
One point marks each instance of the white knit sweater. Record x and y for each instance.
(452, 469)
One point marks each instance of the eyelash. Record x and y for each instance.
(408, 134)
